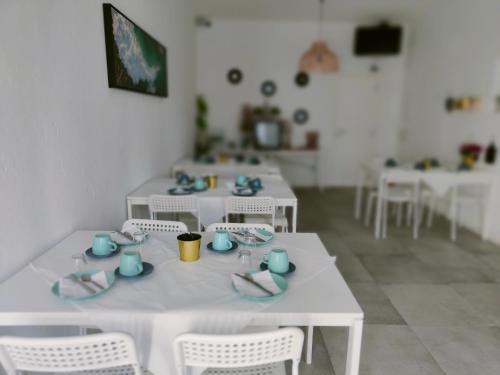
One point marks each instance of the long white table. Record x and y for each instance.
(212, 200)
(180, 297)
(229, 168)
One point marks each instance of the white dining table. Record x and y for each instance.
(229, 168)
(441, 181)
(181, 297)
(212, 201)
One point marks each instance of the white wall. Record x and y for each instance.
(70, 147)
(453, 51)
(343, 107)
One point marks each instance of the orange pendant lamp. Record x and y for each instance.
(319, 58)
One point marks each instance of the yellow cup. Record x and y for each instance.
(189, 246)
(212, 182)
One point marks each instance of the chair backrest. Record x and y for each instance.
(167, 203)
(157, 225)
(238, 226)
(68, 354)
(240, 350)
(250, 206)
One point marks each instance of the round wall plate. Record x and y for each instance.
(301, 116)
(234, 76)
(268, 88)
(302, 79)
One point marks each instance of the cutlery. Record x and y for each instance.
(253, 282)
(81, 283)
(89, 279)
(127, 235)
(248, 233)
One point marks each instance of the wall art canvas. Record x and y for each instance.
(136, 61)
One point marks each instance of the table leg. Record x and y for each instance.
(453, 213)
(485, 225)
(359, 199)
(310, 334)
(354, 348)
(129, 209)
(378, 214)
(294, 217)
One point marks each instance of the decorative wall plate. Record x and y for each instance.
(268, 88)
(301, 116)
(234, 76)
(302, 79)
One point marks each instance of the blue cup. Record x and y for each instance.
(183, 179)
(199, 183)
(241, 180)
(103, 245)
(255, 184)
(130, 263)
(277, 261)
(221, 240)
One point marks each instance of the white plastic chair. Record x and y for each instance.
(389, 191)
(234, 227)
(251, 206)
(173, 204)
(157, 225)
(114, 352)
(250, 354)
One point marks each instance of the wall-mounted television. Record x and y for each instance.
(379, 40)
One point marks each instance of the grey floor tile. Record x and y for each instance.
(386, 350)
(375, 304)
(433, 305)
(351, 269)
(400, 269)
(361, 245)
(463, 350)
(334, 243)
(491, 263)
(485, 298)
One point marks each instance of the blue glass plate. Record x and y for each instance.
(244, 194)
(130, 243)
(234, 247)
(90, 254)
(109, 275)
(257, 243)
(279, 280)
(184, 191)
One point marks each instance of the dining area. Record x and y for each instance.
(155, 282)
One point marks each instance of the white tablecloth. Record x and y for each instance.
(212, 200)
(227, 169)
(197, 296)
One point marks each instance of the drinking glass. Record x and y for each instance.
(79, 262)
(245, 259)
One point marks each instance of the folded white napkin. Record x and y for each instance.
(243, 190)
(71, 288)
(257, 234)
(135, 232)
(263, 278)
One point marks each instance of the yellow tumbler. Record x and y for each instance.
(189, 246)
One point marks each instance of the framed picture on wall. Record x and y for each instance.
(136, 61)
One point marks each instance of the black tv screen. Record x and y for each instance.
(382, 40)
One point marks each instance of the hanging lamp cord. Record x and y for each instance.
(320, 18)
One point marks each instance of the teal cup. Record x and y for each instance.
(199, 183)
(277, 261)
(130, 263)
(221, 240)
(103, 245)
(241, 180)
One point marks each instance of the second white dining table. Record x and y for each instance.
(212, 200)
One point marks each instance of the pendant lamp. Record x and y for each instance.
(319, 58)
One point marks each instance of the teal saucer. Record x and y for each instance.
(278, 279)
(147, 268)
(90, 254)
(233, 247)
(109, 275)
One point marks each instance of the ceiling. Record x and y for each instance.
(335, 10)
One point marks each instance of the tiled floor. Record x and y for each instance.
(432, 307)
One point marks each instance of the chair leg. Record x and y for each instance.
(310, 334)
(430, 212)
(369, 207)
(399, 214)
(384, 222)
(453, 214)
